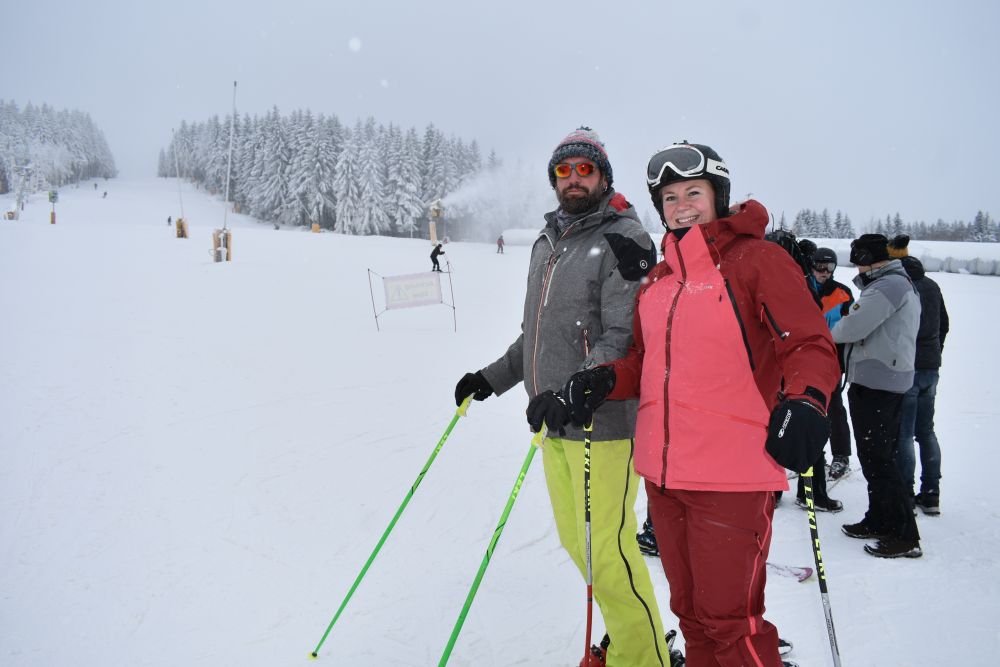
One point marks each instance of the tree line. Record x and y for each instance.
(303, 169)
(815, 224)
(41, 146)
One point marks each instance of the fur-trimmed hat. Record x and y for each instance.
(581, 142)
(868, 249)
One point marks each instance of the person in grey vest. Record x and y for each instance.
(880, 333)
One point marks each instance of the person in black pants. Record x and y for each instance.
(880, 332)
(436, 266)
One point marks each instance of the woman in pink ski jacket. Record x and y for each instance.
(733, 364)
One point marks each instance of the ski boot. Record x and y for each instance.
(647, 540)
(840, 467)
(929, 503)
(598, 654)
(676, 657)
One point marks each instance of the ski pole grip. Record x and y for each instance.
(540, 436)
(464, 407)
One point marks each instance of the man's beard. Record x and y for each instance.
(575, 205)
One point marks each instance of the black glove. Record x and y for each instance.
(475, 384)
(548, 407)
(586, 390)
(796, 434)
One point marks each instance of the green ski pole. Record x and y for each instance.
(536, 442)
(460, 412)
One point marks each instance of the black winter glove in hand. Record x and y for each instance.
(475, 384)
(548, 407)
(796, 434)
(586, 390)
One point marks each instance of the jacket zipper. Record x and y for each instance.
(782, 334)
(543, 299)
(739, 320)
(666, 375)
(553, 258)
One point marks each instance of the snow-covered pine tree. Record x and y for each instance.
(272, 193)
(896, 228)
(431, 166)
(393, 174)
(409, 205)
(345, 182)
(823, 228)
(372, 217)
(246, 147)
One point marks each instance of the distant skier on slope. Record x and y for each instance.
(435, 253)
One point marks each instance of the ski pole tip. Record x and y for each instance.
(313, 655)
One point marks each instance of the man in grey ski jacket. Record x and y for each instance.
(880, 333)
(585, 269)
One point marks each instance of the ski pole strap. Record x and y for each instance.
(460, 412)
(489, 550)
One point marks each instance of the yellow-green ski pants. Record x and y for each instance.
(622, 587)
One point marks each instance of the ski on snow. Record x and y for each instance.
(798, 573)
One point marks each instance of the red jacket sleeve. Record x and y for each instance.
(803, 347)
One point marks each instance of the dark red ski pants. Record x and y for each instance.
(713, 547)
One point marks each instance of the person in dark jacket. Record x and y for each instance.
(918, 403)
(881, 336)
(836, 300)
(586, 266)
(436, 266)
(732, 364)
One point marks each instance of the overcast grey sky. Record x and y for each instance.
(871, 107)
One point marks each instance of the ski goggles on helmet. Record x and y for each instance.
(683, 160)
(564, 169)
(826, 267)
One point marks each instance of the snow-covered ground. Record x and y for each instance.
(196, 459)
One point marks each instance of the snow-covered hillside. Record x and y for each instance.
(196, 459)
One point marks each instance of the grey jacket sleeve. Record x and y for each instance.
(870, 310)
(508, 370)
(629, 265)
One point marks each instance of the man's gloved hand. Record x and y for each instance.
(475, 384)
(586, 390)
(796, 434)
(548, 407)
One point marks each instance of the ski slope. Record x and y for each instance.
(196, 459)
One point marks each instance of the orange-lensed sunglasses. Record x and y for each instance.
(564, 169)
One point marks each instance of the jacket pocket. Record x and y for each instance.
(778, 331)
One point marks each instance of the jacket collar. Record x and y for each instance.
(893, 267)
(749, 219)
(611, 205)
